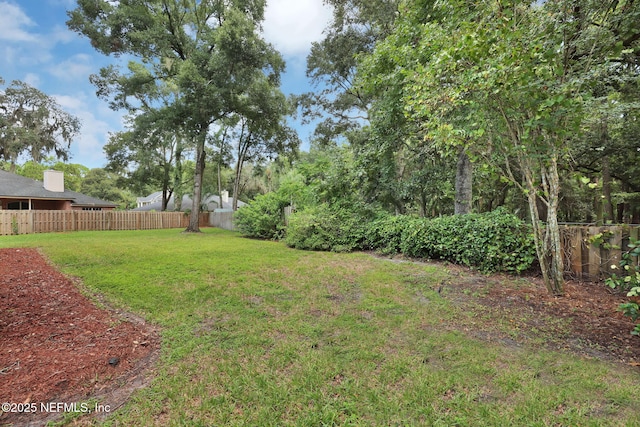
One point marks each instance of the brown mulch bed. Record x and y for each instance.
(586, 320)
(58, 347)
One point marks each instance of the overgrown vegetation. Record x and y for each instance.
(628, 280)
(263, 218)
(330, 228)
(491, 242)
(255, 333)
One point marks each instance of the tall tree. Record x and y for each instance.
(261, 129)
(103, 185)
(144, 167)
(482, 83)
(73, 173)
(507, 81)
(608, 151)
(33, 124)
(331, 65)
(210, 50)
(149, 155)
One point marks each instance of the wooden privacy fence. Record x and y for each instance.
(590, 251)
(36, 221)
(222, 220)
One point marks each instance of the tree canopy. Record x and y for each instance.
(32, 124)
(425, 107)
(207, 52)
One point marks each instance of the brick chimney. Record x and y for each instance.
(54, 181)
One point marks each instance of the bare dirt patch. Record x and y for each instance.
(586, 320)
(58, 347)
(515, 311)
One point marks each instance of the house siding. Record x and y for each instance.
(45, 205)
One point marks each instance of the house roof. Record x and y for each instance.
(212, 202)
(153, 197)
(19, 187)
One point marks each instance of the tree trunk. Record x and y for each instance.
(165, 198)
(553, 229)
(177, 181)
(547, 236)
(236, 186)
(243, 146)
(623, 208)
(220, 205)
(606, 191)
(166, 192)
(598, 206)
(464, 181)
(194, 219)
(236, 183)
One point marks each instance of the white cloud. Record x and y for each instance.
(72, 103)
(87, 149)
(77, 67)
(32, 79)
(8, 54)
(97, 122)
(62, 34)
(13, 22)
(292, 25)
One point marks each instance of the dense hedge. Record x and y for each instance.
(490, 242)
(495, 241)
(326, 228)
(263, 217)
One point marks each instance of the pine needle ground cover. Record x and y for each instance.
(255, 333)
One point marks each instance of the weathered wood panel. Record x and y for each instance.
(589, 252)
(27, 222)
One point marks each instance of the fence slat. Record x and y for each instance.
(594, 256)
(575, 250)
(27, 222)
(585, 260)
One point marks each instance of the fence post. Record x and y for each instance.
(576, 241)
(594, 256)
(615, 253)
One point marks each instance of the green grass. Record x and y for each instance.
(257, 334)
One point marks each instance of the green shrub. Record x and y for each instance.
(327, 228)
(490, 242)
(307, 230)
(495, 241)
(263, 217)
(629, 276)
(385, 234)
(629, 281)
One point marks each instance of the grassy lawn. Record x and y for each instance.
(257, 334)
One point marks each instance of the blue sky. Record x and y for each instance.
(36, 47)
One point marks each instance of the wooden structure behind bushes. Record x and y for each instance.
(222, 220)
(44, 221)
(590, 251)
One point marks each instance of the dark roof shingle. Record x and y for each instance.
(16, 186)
